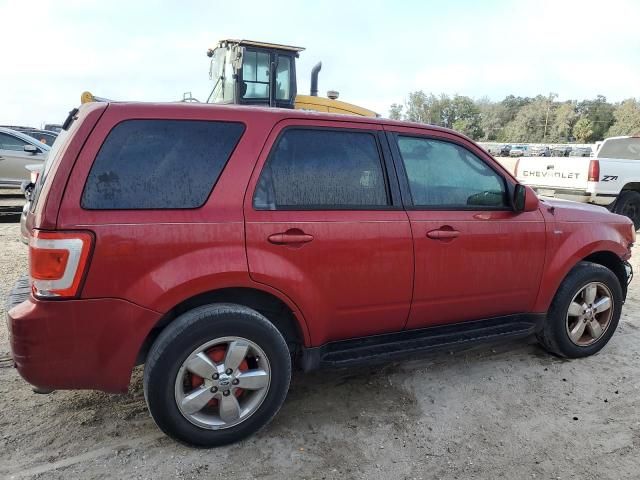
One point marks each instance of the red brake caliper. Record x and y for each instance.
(217, 355)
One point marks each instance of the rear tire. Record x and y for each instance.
(579, 322)
(213, 408)
(628, 204)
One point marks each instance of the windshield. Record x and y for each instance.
(221, 74)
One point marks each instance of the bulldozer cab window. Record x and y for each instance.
(283, 78)
(255, 75)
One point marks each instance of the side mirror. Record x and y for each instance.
(32, 149)
(525, 199)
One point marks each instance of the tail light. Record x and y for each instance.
(57, 262)
(594, 171)
(515, 169)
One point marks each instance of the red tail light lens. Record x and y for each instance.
(49, 264)
(57, 262)
(594, 171)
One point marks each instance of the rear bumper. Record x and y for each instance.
(78, 344)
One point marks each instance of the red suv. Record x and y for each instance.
(220, 246)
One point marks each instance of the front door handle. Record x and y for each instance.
(293, 236)
(443, 234)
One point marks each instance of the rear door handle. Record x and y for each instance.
(290, 237)
(442, 234)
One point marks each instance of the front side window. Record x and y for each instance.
(159, 164)
(445, 175)
(9, 142)
(320, 169)
(255, 75)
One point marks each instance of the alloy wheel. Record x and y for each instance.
(222, 383)
(590, 313)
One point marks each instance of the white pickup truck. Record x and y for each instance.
(610, 179)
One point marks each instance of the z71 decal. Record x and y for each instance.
(608, 178)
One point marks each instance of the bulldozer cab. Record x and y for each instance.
(253, 73)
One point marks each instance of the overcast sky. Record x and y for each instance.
(373, 52)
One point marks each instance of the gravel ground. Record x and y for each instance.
(509, 411)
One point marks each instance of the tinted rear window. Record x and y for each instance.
(159, 164)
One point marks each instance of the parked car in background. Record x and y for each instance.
(289, 239)
(504, 150)
(561, 151)
(540, 151)
(612, 179)
(581, 152)
(52, 127)
(491, 148)
(519, 151)
(17, 150)
(43, 136)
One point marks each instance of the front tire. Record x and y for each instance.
(216, 374)
(628, 204)
(584, 313)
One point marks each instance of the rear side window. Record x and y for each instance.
(159, 164)
(322, 169)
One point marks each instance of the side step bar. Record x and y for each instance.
(393, 346)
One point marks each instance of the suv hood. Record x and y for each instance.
(568, 211)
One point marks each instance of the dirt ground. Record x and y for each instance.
(507, 411)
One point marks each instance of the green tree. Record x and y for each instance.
(395, 111)
(600, 113)
(521, 119)
(512, 106)
(492, 116)
(583, 130)
(564, 118)
(464, 117)
(627, 118)
(423, 108)
(529, 123)
(459, 112)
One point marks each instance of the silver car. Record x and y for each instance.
(18, 150)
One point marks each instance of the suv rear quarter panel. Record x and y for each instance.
(159, 258)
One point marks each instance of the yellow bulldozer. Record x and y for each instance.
(245, 72)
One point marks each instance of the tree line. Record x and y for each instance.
(540, 119)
